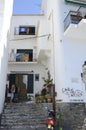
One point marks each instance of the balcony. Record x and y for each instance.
(21, 60)
(21, 63)
(22, 57)
(80, 2)
(75, 25)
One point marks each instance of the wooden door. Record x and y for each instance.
(19, 82)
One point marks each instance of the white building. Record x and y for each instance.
(5, 15)
(28, 53)
(68, 31)
(55, 42)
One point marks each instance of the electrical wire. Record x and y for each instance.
(31, 37)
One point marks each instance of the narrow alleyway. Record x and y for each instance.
(23, 116)
(31, 116)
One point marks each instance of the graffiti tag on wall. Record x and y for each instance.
(72, 93)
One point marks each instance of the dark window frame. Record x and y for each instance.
(26, 30)
(36, 77)
(25, 51)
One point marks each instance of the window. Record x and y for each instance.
(25, 30)
(24, 55)
(36, 77)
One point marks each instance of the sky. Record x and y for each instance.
(27, 6)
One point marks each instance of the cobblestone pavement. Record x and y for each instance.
(23, 116)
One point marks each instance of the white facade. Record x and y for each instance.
(59, 47)
(37, 43)
(5, 15)
(69, 50)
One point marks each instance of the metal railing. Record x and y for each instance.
(80, 2)
(72, 17)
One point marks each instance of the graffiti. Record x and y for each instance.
(71, 92)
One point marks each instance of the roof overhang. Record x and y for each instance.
(80, 2)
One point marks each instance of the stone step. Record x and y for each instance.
(24, 127)
(23, 115)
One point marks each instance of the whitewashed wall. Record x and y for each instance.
(36, 68)
(68, 54)
(19, 42)
(5, 15)
(75, 55)
(64, 62)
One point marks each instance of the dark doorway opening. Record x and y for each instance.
(24, 83)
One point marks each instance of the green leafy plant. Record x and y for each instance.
(43, 92)
(48, 81)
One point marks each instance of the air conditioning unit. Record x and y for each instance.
(80, 2)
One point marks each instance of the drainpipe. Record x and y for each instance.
(53, 85)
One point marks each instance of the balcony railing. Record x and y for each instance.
(72, 18)
(80, 2)
(20, 57)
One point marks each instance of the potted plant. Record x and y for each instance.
(37, 97)
(48, 98)
(43, 94)
(48, 82)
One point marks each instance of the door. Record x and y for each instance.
(12, 79)
(21, 85)
(30, 83)
(17, 79)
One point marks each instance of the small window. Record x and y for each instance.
(36, 77)
(24, 30)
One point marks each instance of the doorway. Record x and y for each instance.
(24, 83)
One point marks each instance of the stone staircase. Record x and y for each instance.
(23, 116)
(31, 116)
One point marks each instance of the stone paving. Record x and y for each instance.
(31, 116)
(23, 116)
